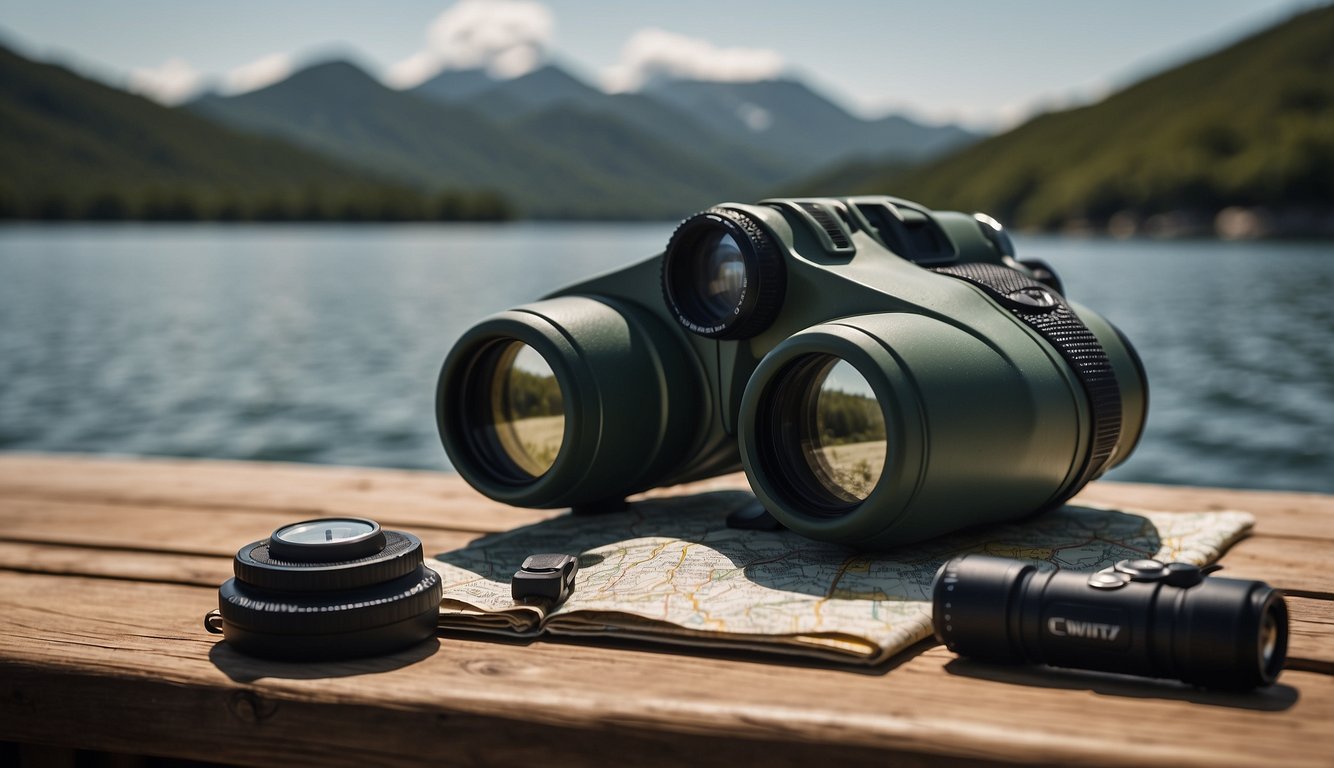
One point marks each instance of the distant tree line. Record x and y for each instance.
(532, 395)
(197, 203)
(847, 418)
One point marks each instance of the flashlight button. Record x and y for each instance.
(1105, 580)
(1142, 570)
(1184, 575)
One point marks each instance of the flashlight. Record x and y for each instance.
(1139, 617)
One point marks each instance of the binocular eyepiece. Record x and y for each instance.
(1140, 617)
(883, 373)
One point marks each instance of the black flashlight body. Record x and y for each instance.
(1141, 617)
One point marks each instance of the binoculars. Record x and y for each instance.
(884, 373)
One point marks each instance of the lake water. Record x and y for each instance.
(322, 343)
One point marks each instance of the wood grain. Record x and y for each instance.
(1311, 634)
(173, 528)
(57, 626)
(1284, 513)
(101, 646)
(393, 497)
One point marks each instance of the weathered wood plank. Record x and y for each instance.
(126, 565)
(128, 662)
(1312, 620)
(1311, 634)
(1296, 566)
(96, 650)
(220, 531)
(410, 498)
(1278, 513)
(181, 530)
(430, 498)
(240, 727)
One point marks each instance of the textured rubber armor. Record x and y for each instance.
(1045, 311)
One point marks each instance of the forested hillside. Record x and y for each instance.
(74, 148)
(1249, 126)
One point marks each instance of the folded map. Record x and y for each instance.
(669, 570)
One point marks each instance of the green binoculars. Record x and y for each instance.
(883, 372)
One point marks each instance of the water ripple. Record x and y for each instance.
(321, 344)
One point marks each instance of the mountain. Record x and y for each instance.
(1250, 125)
(763, 135)
(842, 178)
(785, 117)
(74, 148)
(550, 87)
(769, 131)
(330, 141)
(610, 146)
(455, 85)
(339, 110)
(535, 91)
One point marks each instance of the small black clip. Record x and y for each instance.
(548, 577)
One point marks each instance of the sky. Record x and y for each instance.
(986, 65)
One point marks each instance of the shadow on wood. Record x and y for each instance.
(247, 669)
(1275, 698)
(786, 561)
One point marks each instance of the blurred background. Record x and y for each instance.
(253, 230)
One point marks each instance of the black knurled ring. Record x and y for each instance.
(767, 272)
(401, 555)
(330, 613)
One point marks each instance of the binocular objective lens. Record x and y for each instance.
(826, 434)
(846, 447)
(527, 409)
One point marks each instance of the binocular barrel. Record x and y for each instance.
(569, 402)
(1140, 617)
(866, 432)
(882, 373)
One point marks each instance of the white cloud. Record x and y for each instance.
(171, 82)
(506, 37)
(651, 53)
(257, 74)
(413, 70)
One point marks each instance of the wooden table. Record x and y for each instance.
(107, 566)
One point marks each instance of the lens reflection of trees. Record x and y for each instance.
(536, 417)
(849, 418)
(533, 395)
